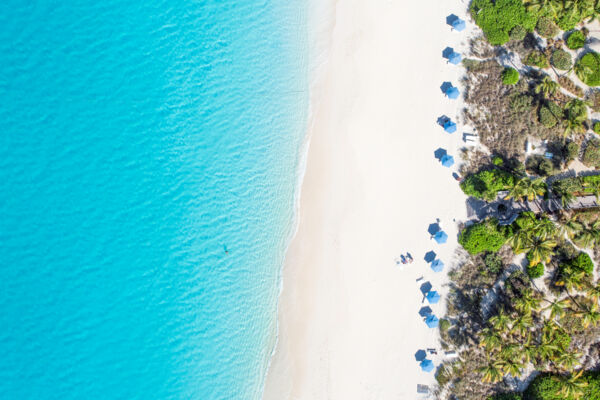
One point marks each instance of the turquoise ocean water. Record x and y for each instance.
(148, 162)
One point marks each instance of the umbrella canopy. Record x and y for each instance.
(433, 297)
(450, 126)
(427, 365)
(432, 321)
(437, 266)
(447, 161)
(441, 237)
(452, 93)
(455, 58)
(458, 24)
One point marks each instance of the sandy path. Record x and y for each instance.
(348, 321)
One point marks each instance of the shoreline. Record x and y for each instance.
(317, 362)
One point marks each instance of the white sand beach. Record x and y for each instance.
(349, 326)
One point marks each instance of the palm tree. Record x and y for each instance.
(583, 71)
(589, 316)
(593, 291)
(571, 279)
(500, 322)
(490, 339)
(573, 226)
(541, 250)
(522, 324)
(547, 87)
(571, 387)
(589, 236)
(527, 303)
(557, 307)
(491, 373)
(510, 366)
(544, 228)
(568, 360)
(527, 189)
(572, 125)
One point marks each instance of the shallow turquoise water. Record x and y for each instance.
(148, 160)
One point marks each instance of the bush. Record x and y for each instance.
(510, 76)
(444, 325)
(591, 154)
(546, 27)
(535, 271)
(576, 40)
(498, 18)
(540, 165)
(547, 118)
(561, 60)
(481, 237)
(571, 151)
(587, 69)
(498, 161)
(521, 102)
(493, 262)
(537, 59)
(596, 127)
(518, 33)
(486, 184)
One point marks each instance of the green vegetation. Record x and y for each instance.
(486, 184)
(546, 27)
(521, 102)
(481, 237)
(587, 69)
(550, 114)
(584, 386)
(498, 18)
(576, 40)
(537, 59)
(535, 235)
(493, 262)
(596, 127)
(591, 153)
(510, 76)
(561, 60)
(540, 165)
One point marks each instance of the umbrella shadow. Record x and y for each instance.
(426, 287)
(433, 229)
(439, 153)
(447, 51)
(425, 311)
(445, 86)
(420, 355)
(430, 255)
(443, 119)
(451, 18)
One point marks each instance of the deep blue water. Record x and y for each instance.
(148, 161)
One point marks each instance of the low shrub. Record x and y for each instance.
(546, 27)
(576, 40)
(521, 102)
(444, 325)
(591, 153)
(485, 236)
(518, 33)
(498, 161)
(537, 59)
(583, 262)
(535, 271)
(539, 165)
(587, 69)
(493, 262)
(571, 151)
(568, 84)
(510, 76)
(596, 127)
(506, 396)
(561, 60)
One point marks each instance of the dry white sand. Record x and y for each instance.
(348, 315)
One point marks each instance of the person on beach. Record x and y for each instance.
(410, 259)
(403, 259)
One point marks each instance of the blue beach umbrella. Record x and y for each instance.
(455, 58)
(450, 126)
(458, 24)
(432, 321)
(441, 237)
(447, 161)
(437, 266)
(427, 365)
(433, 297)
(452, 92)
